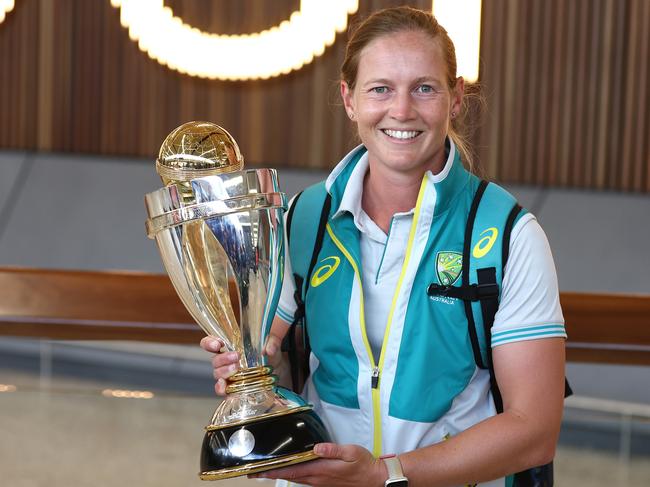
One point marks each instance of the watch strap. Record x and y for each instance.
(395, 472)
(394, 467)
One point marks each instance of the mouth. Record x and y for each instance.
(401, 134)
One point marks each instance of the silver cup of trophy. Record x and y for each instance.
(219, 229)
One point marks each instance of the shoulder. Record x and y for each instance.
(530, 304)
(306, 206)
(310, 197)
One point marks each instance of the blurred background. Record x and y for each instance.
(89, 89)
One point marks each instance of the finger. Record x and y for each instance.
(294, 472)
(225, 359)
(220, 387)
(273, 345)
(347, 453)
(211, 344)
(225, 372)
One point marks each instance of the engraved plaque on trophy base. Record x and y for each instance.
(260, 445)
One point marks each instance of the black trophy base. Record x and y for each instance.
(262, 444)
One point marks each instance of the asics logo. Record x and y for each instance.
(484, 245)
(323, 273)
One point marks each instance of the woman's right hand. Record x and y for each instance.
(224, 363)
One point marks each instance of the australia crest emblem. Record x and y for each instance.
(448, 267)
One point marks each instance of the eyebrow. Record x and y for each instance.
(421, 79)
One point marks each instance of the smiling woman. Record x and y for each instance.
(422, 340)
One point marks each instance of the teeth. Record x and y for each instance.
(402, 134)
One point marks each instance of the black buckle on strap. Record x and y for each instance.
(473, 292)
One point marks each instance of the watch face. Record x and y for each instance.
(397, 483)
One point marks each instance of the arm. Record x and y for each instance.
(524, 435)
(531, 379)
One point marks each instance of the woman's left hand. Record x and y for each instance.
(338, 465)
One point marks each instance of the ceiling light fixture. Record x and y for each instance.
(462, 20)
(6, 6)
(278, 50)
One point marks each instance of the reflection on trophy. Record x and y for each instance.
(219, 229)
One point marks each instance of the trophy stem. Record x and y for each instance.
(251, 380)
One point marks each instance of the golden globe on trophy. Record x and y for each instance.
(219, 229)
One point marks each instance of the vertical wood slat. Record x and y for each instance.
(45, 69)
(567, 85)
(566, 123)
(591, 89)
(558, 94)
(630, 102)
(643, 100)
(576, 161)
(604, 99)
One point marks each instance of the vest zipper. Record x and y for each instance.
(376, 370)
(377, 367)
(374, 378)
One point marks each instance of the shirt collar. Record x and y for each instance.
(350, 201)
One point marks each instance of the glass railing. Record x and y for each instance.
(132, 411)
(133, 414)
(126, 420)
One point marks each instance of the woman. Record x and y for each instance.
(401, 199)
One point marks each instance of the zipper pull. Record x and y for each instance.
(374, 378)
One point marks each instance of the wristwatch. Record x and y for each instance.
(395, 475)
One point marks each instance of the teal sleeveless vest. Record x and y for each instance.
(438, 354)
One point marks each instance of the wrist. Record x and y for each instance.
(394, 475)
(381, 472)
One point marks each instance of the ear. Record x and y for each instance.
(457, 95)
(348, 100)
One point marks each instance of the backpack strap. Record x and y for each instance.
(291, 338)
(467, 292)
(304, 256)
(486, 290)
(490, 306)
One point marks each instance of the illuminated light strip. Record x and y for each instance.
(279, 50)
(7, 388)
(462, 20)
(121, 393)
(6, 6)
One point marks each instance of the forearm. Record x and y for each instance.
(503, 444)
(531, 380)
(282, 370)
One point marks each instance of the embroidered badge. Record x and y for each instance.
(448, 267)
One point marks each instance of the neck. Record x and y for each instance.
(383, 195)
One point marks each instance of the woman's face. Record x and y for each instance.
(401, 102)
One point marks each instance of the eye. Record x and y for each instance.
(380, 90)
(424, 89)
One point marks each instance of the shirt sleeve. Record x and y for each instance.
(287, 304)
(529, 308)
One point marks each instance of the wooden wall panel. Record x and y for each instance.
(568, 91)
(567, 85)
(75, 305)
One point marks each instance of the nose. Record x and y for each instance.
(402, 107)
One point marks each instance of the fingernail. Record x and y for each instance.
(232, 356)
